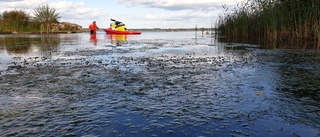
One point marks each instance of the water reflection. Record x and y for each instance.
(296, 84)
(23, 47)
(16, 45)
(93, 39)
(299, 73)
(28, 44)
(117, 39)
(274, 44)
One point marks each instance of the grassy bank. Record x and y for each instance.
(270, 22)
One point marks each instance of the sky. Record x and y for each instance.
(133, 13)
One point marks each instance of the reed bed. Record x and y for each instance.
(271, 22)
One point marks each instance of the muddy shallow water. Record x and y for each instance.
(155, 84)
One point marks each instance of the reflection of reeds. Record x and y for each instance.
(274, 21)
(23, 45)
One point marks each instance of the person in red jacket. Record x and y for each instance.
(93, 28)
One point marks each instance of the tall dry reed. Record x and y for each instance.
(274, 21)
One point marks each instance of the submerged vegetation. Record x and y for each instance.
(273, 22)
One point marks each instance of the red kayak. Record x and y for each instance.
(111, 31)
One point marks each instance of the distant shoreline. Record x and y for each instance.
(136, 29)
(55, 32)
(161, 29)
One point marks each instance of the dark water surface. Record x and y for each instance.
(155, 84)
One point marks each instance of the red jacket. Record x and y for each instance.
(93, 26)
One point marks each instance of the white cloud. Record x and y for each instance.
(175, 5)
(10, 0)
(75, 12)
(24, 4)
(178, 16)
(179, 13)
(134, 13)
(67, 4)
(181, 19)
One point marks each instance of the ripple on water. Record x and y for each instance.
(162, 88)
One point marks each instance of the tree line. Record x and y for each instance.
(20, 21)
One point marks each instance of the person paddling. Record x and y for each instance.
(93, 28)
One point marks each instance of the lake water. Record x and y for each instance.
(155, 84)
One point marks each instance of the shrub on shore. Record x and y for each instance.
(16, 21)
(46, 19)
